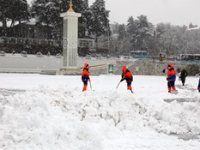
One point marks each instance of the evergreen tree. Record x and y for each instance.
(132, 32)
(14, 10)
(48, 12)
(122, 32)
(20, 11)
(100, 22)
(139, 31)
(4, 13)
(192, 26)
(131, 26)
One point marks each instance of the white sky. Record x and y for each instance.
(176, 12)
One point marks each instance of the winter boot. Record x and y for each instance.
(130, 88)
(173, 88)
(84, 87)
(169, 89)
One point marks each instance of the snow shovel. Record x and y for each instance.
(90, 84)
(118, 84)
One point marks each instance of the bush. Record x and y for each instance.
(2, 53)
(39, 54)
(24, 53)
(192, 69)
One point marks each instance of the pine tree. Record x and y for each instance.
(139, 30)
(48, 12)
(14, 10)
(100, 22)
(4, 13)
(132, 31)
(20, 11)
(122, 32)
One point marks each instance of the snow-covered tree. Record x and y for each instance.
(100, 22)
(48, 12)
(139, 31)
(13, 10)
(170, 39)
(20, 11)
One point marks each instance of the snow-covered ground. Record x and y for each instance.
(39, 112)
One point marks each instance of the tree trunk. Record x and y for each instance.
(96, 41)
(20, 34)
(4, 25)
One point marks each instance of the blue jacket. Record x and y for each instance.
(171, 78)
(171, 74)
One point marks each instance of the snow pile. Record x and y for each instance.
(51, 113)
(180, 118)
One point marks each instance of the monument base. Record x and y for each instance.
(70, 71)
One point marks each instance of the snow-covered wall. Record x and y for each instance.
(36, 64)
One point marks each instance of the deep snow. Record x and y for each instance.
(51, 113)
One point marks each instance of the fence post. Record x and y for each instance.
(110, 68)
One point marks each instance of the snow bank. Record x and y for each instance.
(51, 113)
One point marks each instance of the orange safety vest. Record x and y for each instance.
(127, 74)
(85, 72)
(171, 72)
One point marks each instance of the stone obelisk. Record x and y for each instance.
(70, 40)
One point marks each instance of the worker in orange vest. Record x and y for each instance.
(85, 76)
(171, 78)
(128, 76)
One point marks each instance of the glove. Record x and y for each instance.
(163, 71)
(122, 79)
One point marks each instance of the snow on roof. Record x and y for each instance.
(190, 54)
(195, 28)
(30, 2)
(32, 21)
(8, 24)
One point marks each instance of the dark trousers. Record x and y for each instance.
(129, 81)
(183, 81)
(170, 84)
(85, 80)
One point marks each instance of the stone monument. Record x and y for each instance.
(70, 41)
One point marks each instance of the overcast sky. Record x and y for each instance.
(176, 12)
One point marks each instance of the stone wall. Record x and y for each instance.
(147, 67)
